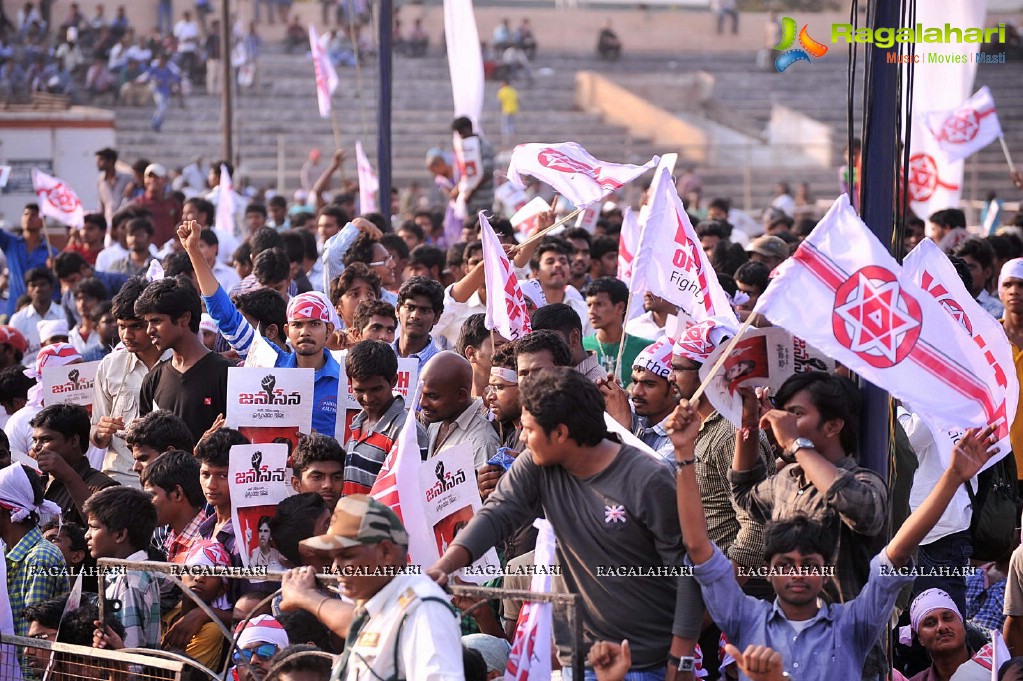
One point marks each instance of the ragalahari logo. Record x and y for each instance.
(810, 47)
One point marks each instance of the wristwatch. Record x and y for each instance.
(800, 443)
(684, 664)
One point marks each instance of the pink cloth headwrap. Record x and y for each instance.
(926, 602)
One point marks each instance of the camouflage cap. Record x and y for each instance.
(358, 520)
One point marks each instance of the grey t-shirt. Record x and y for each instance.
(624, 518)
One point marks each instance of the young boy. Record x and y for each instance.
(310, 321)
(88, 293)
(372, 369)
(319, 466)
(121, 523)
(156, 433)
(193, 382)
(173, 482)
(213, 456)
(812, 637)
(206, 646)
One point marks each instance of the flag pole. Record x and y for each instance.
(621, 346)
(721, 359)
(1008, 156)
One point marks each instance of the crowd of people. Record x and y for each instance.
(703, 549)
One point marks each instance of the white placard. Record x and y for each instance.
(70, 384)
(257, 476)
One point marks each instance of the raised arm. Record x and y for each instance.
(968, 457)
(188, 234)
(683, 427)
(463, 289)
(324, 180)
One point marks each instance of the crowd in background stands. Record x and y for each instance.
(144, 476)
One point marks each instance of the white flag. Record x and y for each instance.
(8, 653)
(326, 77)
(935, 182)
(465, 60)
(530, 656)
(843, 293)
(397, 486)
(506, 306)
(566, 166)
(967, 129)
(223, 221)
(999, 653)
(628, 245)
(368, 182)
(671, 263)
(930, 269)
(524, 219)
(57, 200)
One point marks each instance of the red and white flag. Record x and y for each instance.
(506, 306)
(368, 182)
(844, 294)
(223, 220)
(967, 129)
(928, 267)
(397, 486)
(465, 59)
(671, 263)
(943, 84)
(326, 77)
(628, 245)
(530, 656)
(57, 199)
(566, 166)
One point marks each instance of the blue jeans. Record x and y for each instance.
(164, 17)
(633, 674)
(162, 100)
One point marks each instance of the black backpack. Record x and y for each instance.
(996, 511)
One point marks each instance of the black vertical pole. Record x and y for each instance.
(879, 165)
(386, 17)
(226, 83)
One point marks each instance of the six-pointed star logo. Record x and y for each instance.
(874, 318)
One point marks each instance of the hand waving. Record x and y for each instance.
(973, 450)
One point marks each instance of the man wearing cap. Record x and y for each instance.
(41, 308)
(259, 639)
(402, 625)
(653, 398)
(53, 331)
(311, 321)
(770, 250)
(730, 525)
(13, 347)
(1010, 292)
(164, 209)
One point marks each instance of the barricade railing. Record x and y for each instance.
(173, 571)
(82, 663)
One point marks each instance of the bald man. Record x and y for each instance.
(454, 417)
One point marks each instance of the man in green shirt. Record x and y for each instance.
(606, 300)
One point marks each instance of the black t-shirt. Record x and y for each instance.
(197, 396)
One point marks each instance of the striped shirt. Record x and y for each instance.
(139, 594)
(366, 450)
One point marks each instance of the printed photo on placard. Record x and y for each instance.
(259, 480)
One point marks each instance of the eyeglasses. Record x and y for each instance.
(381, 263)
(675, 368)
(264, 652)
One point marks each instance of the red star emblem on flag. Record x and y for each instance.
(874, 318)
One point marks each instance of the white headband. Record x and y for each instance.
(506, 374)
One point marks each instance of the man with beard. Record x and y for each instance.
(454, 416)
(311, 320)
(551, 268)
(579, 262)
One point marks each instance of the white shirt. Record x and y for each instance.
(959, 512)
(82, 345)
(25, 320)
(19, 432)
(116, 392)
(469, 427)
(644, 326)
(113, 253)
(449, 326)
(226, 275)
(187, 33)
(575, 300)
(430, 648)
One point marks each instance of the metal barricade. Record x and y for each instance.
(81, 663)
(570, 602)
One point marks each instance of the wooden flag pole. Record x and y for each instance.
(721, 360)
(1008, 157)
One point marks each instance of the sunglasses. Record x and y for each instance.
(264, 652)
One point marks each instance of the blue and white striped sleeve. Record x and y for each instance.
(233, 326)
